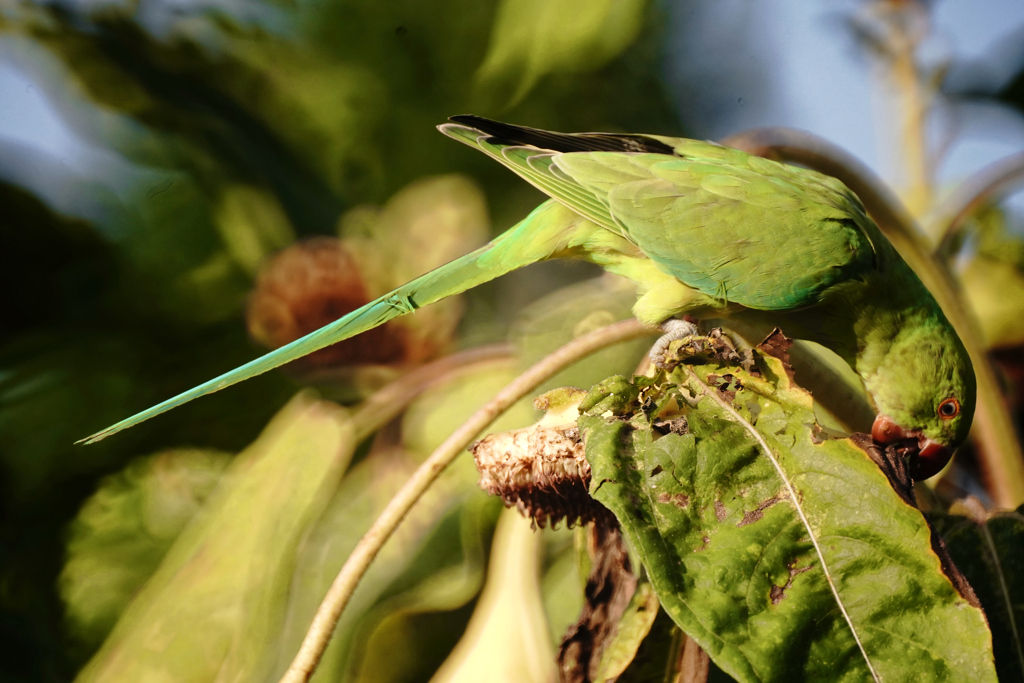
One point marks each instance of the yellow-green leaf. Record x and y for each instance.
(216, 604)
(786, 555)
(534, 38)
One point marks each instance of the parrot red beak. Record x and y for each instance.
(931, 455)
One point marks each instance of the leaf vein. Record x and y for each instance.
(736, 417)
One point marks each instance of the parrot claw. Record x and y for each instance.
(674, 329)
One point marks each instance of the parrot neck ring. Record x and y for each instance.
(927, 457)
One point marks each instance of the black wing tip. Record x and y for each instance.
(512, 135)
(485, 125)
(498, 133)
(468, 119)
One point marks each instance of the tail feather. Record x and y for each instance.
(541, 235)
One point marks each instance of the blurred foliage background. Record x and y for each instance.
(264, 167)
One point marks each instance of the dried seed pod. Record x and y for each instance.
(542, 469)
(308, 285)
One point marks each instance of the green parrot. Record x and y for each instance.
(705, 231)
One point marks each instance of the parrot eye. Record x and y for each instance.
(949, 408)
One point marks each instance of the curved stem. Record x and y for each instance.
(1001, 455)
(344, 585)
(387, 402)
(971, 195)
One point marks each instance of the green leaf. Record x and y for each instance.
(425, 610)
(507, 638)
(561, 584)
(632, 630)
(435, 562)
(252, 225)
(785, 556)
(995, 290)
(993, 280)
(534, 38)
(840, 402)
(216, 605)
(124, 530)
(990, 553)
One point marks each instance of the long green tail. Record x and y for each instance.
(541, 235)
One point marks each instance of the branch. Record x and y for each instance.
(344, 585)
(1001, 456)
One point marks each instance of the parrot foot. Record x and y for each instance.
(674, 329)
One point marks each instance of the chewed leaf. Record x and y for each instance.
(786, 556)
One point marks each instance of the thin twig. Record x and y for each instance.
(978, 190)
(1001, 456)
(341, 590)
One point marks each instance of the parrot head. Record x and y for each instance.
(924, 392)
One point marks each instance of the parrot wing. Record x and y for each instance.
(732, 226)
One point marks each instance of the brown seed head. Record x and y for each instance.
(542, 471)
(306, 286)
